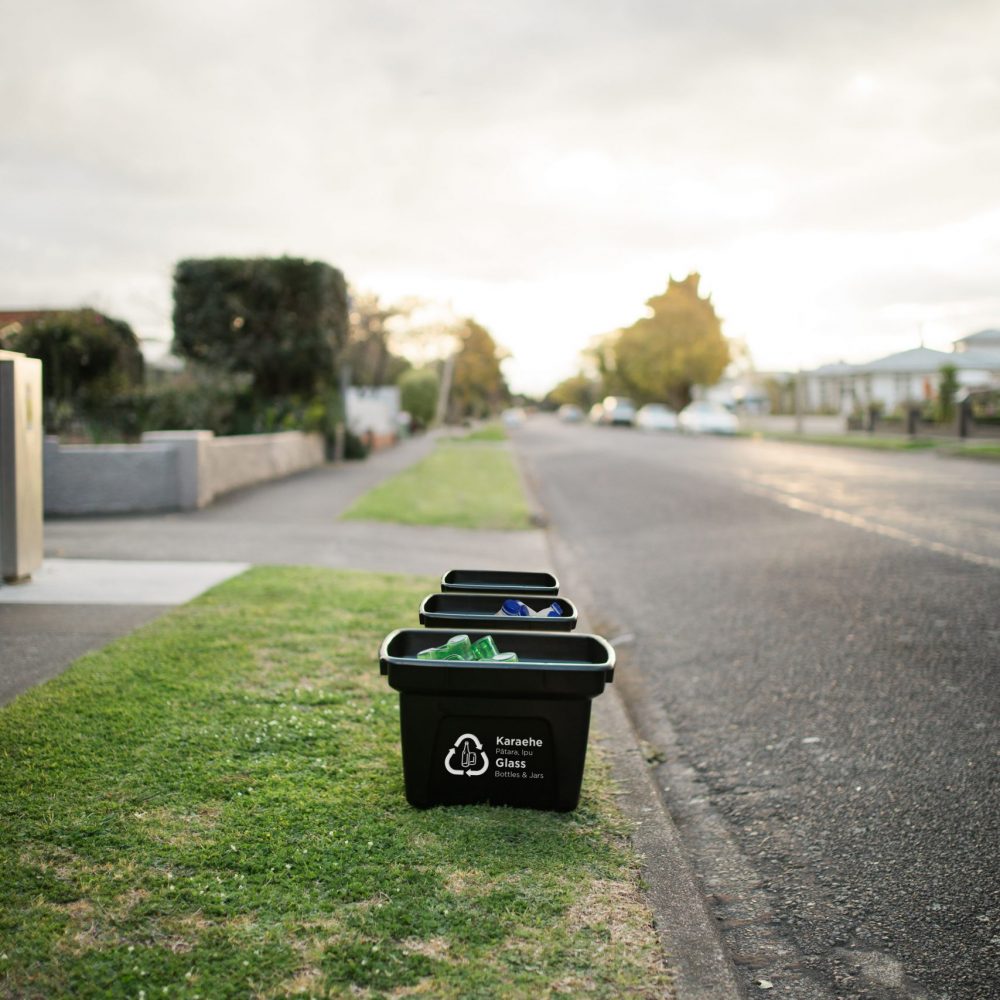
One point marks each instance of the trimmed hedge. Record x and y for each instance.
(282, 321)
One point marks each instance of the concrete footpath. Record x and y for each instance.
(103, 577)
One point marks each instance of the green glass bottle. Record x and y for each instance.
(458, 647)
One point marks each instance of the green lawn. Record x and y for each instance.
(944, 446)
(901, 443)
(989, 451)
(488, 432)
(458, 485)
(213, 808)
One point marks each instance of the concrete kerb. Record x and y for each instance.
(536, 512)
(687, 932)
(688, 935)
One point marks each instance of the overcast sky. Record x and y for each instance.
(831, 168)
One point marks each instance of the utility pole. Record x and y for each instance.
(799, 401)
(340, 430)
(447, 374)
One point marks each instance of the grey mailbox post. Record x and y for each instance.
(20, 466)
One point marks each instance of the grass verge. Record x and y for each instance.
(456, 486)
(488, 432)
(851, 441)
(213, 808)
(987, 452)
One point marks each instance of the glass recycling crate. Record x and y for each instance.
(486, 731)
(474, 610)
(497, 581)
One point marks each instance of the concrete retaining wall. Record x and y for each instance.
(169, 470)
(812, 423)
(232, 462)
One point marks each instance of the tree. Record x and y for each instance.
(578, 389)
(664, 355)
(368, 355)
(424, 331)
(418, 394)
(89, 360)
(478, 387)
(281, 320)
(947, 388)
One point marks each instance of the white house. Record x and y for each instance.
(986, 342)
(373, 412)
(911, 376)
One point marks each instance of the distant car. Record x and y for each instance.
(570, 413)
(656, 417)
(703, 417)
(614, 410)
(513, 417)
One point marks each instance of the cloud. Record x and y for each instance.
(539, 154)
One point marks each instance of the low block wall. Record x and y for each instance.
(812, 423)
(233, 462)
(169, 470)
(109, 479)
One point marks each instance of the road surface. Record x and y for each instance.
(810, 646)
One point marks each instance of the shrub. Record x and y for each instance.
(281, 321)
(947, 388)
(89, 363)
(418, 394)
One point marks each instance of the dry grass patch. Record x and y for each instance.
(307, 981)
(425, 988)
(93, 926)
(436, 947)
(178, 829)
(78, 911)
(615, 907)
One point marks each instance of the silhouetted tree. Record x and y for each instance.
(89, 360)
(478, 387)
(281, 320)
(947, 388)
(418, 394)
(578, 389)
(368, 355)
(663, 355)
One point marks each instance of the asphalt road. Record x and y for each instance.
(811, 649)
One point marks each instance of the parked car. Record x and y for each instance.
(703, 417)
(614, 410)
(570, 413)
(656, 417)
(513, 417)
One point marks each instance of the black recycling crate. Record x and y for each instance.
(465, 609)
(498, 580)
(506, 734)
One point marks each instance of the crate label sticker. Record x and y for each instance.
(519, 757)
(496, 750)
(467, 757)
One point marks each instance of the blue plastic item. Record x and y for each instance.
(512, 608)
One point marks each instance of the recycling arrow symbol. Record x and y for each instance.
(470, 750)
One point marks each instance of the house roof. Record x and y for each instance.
(834, 368)
(923, 360)
(916, 360)
(982, 337)
(984, 359)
